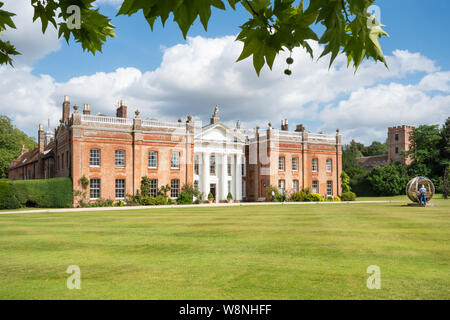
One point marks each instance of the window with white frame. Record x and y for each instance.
(174, 188)
(294, 164)
(153, 159)
(196, 184)
(212, 165)
(243, 189)
(281, 185)
(175, 160)
(120, 188)
(153, 187)
(229, 166)
(229, 187)
(315, 186)
(94, 188)
(243, 167)
(94, 158)
(281, 163)
(196, 165)
(295, 185)
(329, 165)
(120, 158)
(315, 165)
(329, 188)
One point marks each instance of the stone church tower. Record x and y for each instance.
(398, 141)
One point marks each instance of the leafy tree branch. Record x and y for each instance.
(273, 25)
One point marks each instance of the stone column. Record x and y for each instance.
(224, 178)
(238, 177)
(204, 177)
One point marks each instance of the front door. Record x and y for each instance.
(212, 189)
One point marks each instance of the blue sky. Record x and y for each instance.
(418, 26)
(147, 61)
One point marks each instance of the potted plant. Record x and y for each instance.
(229, 197)
(210, 197)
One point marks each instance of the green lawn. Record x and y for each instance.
(318, 251)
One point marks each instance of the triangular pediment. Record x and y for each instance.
(220, 133)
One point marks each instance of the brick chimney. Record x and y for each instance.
(87, 109)
(65, 110)
(284, 125)
(23, 150)
(300, 128)
(121, 111)
(41, 138)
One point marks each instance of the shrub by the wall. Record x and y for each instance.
(348, 196)
(314, 197)
(185, 198)
(45, 193)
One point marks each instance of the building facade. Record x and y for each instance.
(398, 141)
(114, 153)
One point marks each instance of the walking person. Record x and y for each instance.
(273, 196)
(423, 195)
(284, 196)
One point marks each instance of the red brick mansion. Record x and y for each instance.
(114, 153)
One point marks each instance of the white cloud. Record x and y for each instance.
(367, 113)
(195, 76)
(27, 37)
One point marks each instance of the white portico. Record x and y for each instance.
(218, 156)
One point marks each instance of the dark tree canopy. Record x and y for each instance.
(273, 25)
(11, 141)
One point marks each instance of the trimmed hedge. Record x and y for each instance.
(45, 193)
(7, 198)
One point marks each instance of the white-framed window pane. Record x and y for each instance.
(94, 158)
(329, 188)
(175, 188)
(153, 187)
(243, 189)
(315, 186)
(243, 167)
(120, 158)
(329, 165)
(315, 166)
(153, 159)
(229, 166)
(175, 160)
(295, 164)
(281, 185)
(212, 165)
(94, 188)
(196, 165)
(229, 187)
(295, 185)
(281, 163)
(120, 188)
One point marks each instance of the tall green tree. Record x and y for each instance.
(350, 153)
(389, 180)
(273, 25)
(424, 149)
(11, 141)
(445, 143)
(375, 149)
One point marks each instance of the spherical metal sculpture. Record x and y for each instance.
(413, 186)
